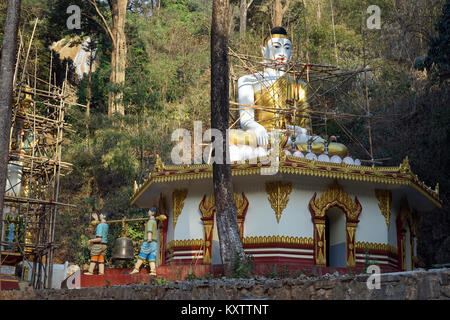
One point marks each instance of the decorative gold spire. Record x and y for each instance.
(278, 196)
(159, 165)
(207, 206)
(404, 166)
(335, 195)
(384, 203)
(178, 204)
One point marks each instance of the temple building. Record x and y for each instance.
(311, 213)
(319, 208)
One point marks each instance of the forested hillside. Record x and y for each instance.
(167, 86)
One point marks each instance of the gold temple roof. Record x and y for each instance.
(401, 175)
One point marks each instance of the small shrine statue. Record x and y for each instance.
(98, 249)
(11, 237)
(149, 246)
(274, 101)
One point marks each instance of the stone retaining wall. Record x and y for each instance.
(420, 284)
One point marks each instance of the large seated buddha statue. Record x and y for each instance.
(273, 101)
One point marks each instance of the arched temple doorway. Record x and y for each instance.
(335, 237)
(332, 203)
(407, 229)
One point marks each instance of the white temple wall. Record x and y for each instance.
(169, 204)
(189, 225)
(372, 225)
(295, 220)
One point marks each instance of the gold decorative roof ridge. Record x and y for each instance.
(293, 165)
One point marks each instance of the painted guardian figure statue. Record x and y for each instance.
(149, 247)
(268, 100)
(99, 244)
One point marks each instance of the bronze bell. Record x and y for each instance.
(123, 249)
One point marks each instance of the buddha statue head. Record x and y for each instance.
(277, 47)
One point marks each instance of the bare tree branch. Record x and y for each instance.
(285, 7)
(108, 29)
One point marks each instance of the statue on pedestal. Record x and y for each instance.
(99, 245)
(274, 101)
(149, 246)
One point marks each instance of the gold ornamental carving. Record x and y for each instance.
(184, 243)
(241, 203)
(162, 210)
(178, 203)
(320, 246)
(384, 198)
(241, 207)
(207, 209)
(159, 165)
(351, 250)
(278, 240)
(278, 196)
(381, 247)
(335, 196)
(318, 206)
(400, 175)
(207, 206)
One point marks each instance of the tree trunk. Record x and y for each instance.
(319, 13)
(7, 67)
(243, 19)
(277, 18)
(226, 216)
(278, 12)
(118, 56)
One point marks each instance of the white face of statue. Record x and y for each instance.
(278, 49)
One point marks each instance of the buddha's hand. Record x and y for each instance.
(317, 139)
(299, 133)
(262, 138)
(296, 130)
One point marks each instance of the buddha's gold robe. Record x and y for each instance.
(278, 110)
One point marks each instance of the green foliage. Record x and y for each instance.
(83, 255)
(191, 276)
(299, 273)
(272, 273)
(437, 61)
(243, 266)
(161, 281)
(281, 271)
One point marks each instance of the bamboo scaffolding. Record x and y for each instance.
(37, 140)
